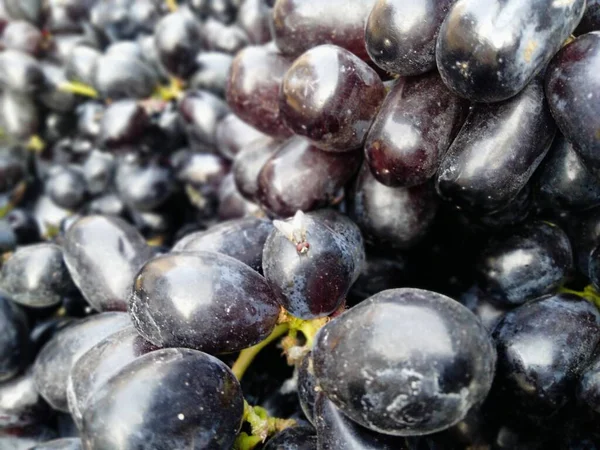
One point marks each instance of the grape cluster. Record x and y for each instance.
(299, 224)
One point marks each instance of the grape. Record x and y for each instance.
(36, 276)
(391, 217)
(221, 38)
(335, 431)
(330, 96)
(231, 203)
(310, 262)
(516, 212)
(413, 130)
(496, 151)
(98, 171)
(564, 181)
(119, 76)
(295, 438)
(59, 444)
(299, 176)
(19, 115)
(594, 266)
(400, 35)
(25, 438)
(253, 88)
(96, 366)
(185, 300)
(248, 163)
(13, 168)
(22, 36)
(488, 312)
(242, 239)
(254, 17)
(299, 25)
(380, 273)
(178, 37)
(51, 95)
(171, 399)
(200, 112)
(212, 69)
(67, 187)
(144, 185)
(92, 241)
(55, 360)
(81, 64)
(307, 387)
(14, 340)
(405, 362)
(571, 82)
(542, 347)
(233, 134)
(20, 72)
(590, 20)
(489, 52)
(525, 263)
(123, 123)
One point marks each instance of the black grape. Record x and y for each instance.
(14, 340)
(294, 438)
(405, 362)
(238, 308)
(168, 399)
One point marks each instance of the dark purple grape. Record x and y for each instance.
(200, 112)
(22, 36)
(489, 52)
(107, 205)
(19, 115)
(242, 239)
(405, 362)
(98, 171)
(118, 76)
(20, 403)
(144, 185)
(89, 244)
(583, 230)
(249, 161)
(564, 181)
(59, 444)
(14, 339)
(123, 123)
(588, 386)
(36, 276)
(299, 176)
(82, 63)
(525, 263)
(221, 38)
(233, 134)
(254, 17)
(47, 214)
(591, 18)
(55, 360)
(331, 97)
(543, 346)
(310, 262)
(231, 203)
(496, 152)
(572, 82)
(400, 35)
(95, 367)
(395, 218)
(67, 186)
(335, 431)
(221, 10)
(89, 119)
(594, 266)
(488, 312)
(413, 130)
(299, 25)
(307, 387)
(178, 38)
(253, 88)
(51, 94)
(13, 168)
(168, 399)
(237, 307)
(380, 273)
(294, 438)
(25, 438)
(204, 171)
(515, 213)
(29, 10)
(212, 70)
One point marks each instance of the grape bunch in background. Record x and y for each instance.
(299, 224)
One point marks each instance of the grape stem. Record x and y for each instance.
(261, 425)
(589, 293)
(75, 87)
(247, 355)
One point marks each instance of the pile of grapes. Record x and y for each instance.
(299, 224)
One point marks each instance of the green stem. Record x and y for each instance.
(261, 425)
(75, 87)
(247, 355)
